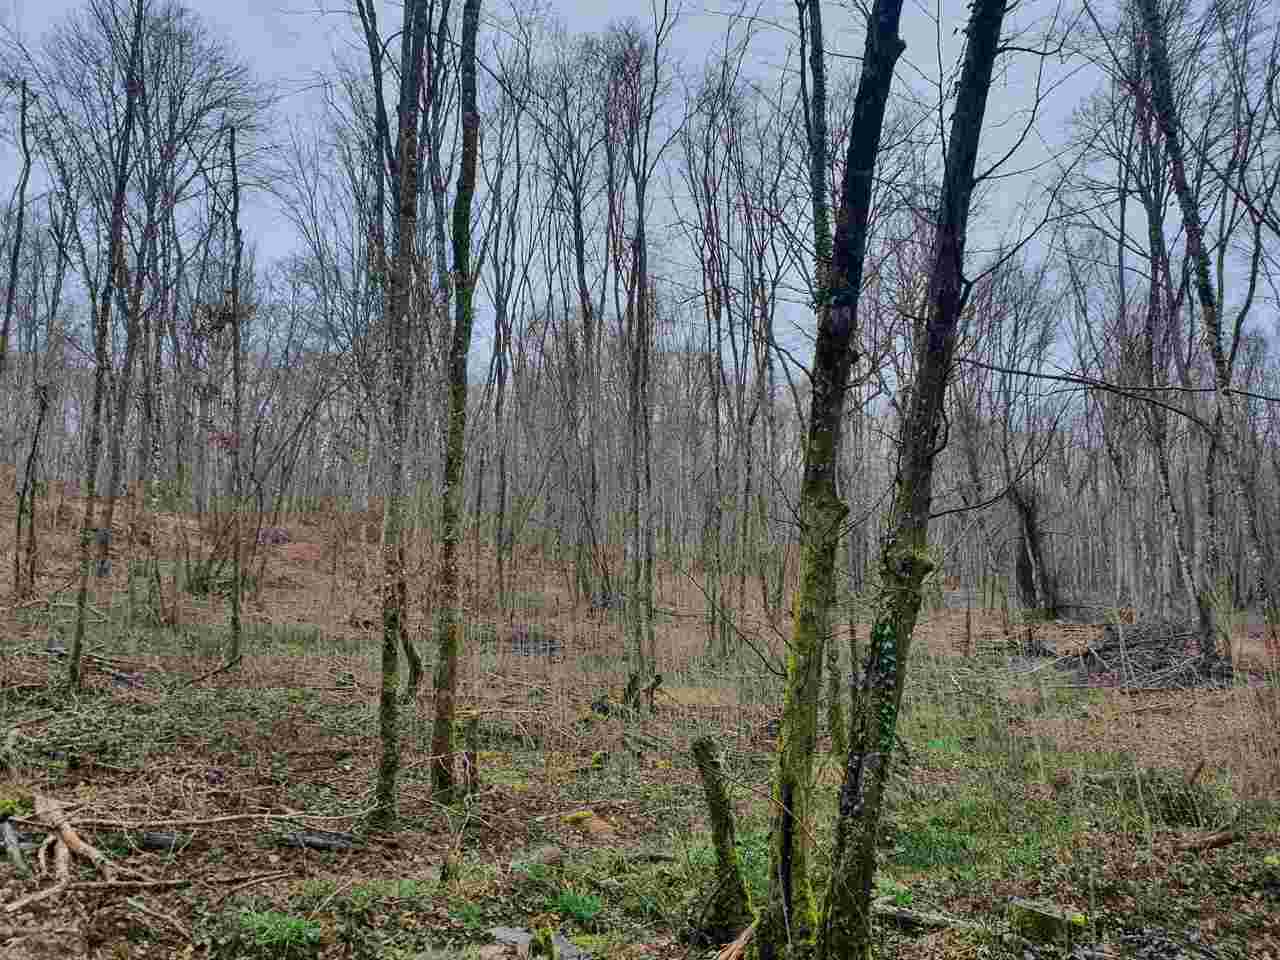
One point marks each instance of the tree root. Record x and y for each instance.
(64, 843)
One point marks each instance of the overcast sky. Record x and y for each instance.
(290, 46)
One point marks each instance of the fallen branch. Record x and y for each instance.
(212, 673)
(918, 918)
(1213, 841)
(42, 855)
(738, 948)
(61, 861)
(52, 814)
(11, 933)
(210, 821)
(107, 886)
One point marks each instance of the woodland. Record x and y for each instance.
(759, 490)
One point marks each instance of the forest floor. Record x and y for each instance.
(1143, 814)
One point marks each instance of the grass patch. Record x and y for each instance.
(931, 842)
(266, 934)
(582, 908)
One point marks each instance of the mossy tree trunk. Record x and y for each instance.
(399, 386)
(904, 563)
(788, 920)
(449, 598)
(728, 910)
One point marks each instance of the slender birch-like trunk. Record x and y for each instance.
(449, 598)
(101, 335)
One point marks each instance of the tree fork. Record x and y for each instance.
(846, 928)
(102, 358)
(788, 921)
(1167, 120)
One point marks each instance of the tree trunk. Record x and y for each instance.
(102, 356)
(235, 649)
(20, 214)
(399, 389)
(27, 501)
(727, 911)
(449, 600)
(1167, 120)
(1039, 591)
(846, 931)
(789, 917)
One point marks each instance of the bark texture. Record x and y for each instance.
(727, 910)
(449, 599)
(1162, 101)
(905, 562)
(237, 403)
(399, 305)
(788, 920)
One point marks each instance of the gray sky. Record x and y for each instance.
(290, 46)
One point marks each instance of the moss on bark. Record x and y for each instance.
(727, 911)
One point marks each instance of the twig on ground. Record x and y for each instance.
(162, 917)
(252, 882)
(1195, 774)
(10, 933)
(36, 897)
(213, 673)
(918, 918)
(105, 885)
(30, 720)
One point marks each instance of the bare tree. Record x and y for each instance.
(449, 599)
(790, 915)
(905, 561)
(404, 167)
(102, 357)
(571, 125)
(237, 401)
(19, 207)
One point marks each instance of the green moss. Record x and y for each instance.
(15, 805)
